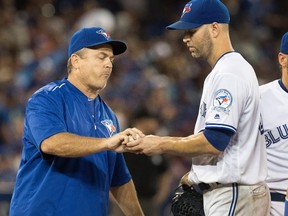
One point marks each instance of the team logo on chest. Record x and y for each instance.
(222, 100)
(109, 126)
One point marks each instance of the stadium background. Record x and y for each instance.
(157, 74)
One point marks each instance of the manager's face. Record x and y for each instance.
(95, 66)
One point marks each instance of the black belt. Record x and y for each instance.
(277, 197)
(201, 187)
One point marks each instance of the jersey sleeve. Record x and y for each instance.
(121, 174)
(44, 117)
(218, 138)
(228, 99)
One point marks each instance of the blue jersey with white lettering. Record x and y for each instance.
(51, 185)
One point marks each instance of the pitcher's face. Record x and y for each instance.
(198, 42)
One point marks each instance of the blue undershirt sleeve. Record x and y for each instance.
(218, 138)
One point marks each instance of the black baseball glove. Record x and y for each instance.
(187, 202)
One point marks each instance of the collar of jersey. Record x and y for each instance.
(224, 55)
(282, 85)
(76, 91)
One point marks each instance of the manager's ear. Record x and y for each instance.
(283, 59)
(75, 60)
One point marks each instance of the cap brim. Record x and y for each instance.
(181, 25)
(118, 47)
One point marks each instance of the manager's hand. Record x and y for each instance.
(119, 141)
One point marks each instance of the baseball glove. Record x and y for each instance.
(187, 202)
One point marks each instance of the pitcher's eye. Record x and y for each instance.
(191, 32)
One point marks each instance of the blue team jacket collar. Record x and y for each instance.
(76, 91)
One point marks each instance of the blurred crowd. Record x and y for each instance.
(156, 75)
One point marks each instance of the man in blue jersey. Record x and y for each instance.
(72, 145)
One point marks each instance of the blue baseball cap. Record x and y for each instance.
(284, 44)
(200, 12)
(90, 37)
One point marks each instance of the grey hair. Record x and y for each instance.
(81, 53)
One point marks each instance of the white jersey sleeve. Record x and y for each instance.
(274, 103)
(230, 100)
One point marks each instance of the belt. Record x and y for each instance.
(277, 197)
(202, 187)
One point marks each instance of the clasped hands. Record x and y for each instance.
(135, 141)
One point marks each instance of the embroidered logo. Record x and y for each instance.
(222, 100)
(186, 9)
(105, 34)
(109, 126)
(203, 109)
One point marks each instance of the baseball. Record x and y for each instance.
(130, 138)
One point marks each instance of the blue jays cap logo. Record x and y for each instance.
(109, 126)
(105, 34)
(186, 9)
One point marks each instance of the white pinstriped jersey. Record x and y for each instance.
(274, 103)
(230, 100)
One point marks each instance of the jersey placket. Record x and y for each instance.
(92, 111)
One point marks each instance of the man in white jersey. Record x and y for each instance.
(274, 103)
(228, 153)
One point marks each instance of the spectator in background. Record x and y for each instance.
(150, 173)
